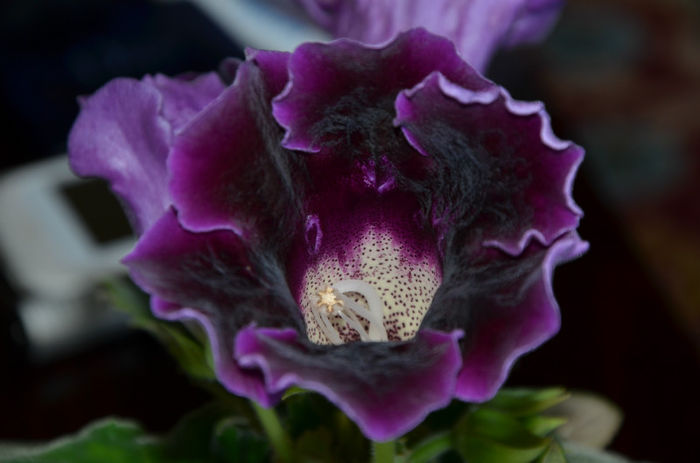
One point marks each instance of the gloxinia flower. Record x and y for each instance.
(477, 27)
(377, 224)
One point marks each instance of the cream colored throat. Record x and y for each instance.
(333, 301)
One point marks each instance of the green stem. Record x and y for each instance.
(431, 448)
(383, 452)
(275, 432)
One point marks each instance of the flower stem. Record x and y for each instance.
(383, 452)
(275, 432)
(431, 448)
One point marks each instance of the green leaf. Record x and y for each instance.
(192, 435)
(214, 433)
(305, 412)
(192, 352)
(523, 402)
(292, 391)
(192, 356)
(235, 442)
(316, 446)
(490, 436)
(430, 448)
(542, 425)
(579, 454)
(553, 454)
(127, 297)
(107, 441)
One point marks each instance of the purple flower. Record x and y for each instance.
(477, 27)
(379, 225)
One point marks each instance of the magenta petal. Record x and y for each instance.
(185, 98)
(330, 97)
(506, 307)
(228, 170)
(519, 174)
(387, 389)
(121, 136)
(212, 278)
(477, 27)
(273, 67)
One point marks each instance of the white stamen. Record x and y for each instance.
(348, 310)
(326, 326)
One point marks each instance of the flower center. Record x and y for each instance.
(375, 289)
(337, 303)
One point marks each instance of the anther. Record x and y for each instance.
(335, 301)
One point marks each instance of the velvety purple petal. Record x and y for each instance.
(273, 67)
(185, 98)
(343, 92)
(505, 305)
(477, 27)
(214, 279)
(228, 68)
(387, 389)
(228, 169)
(515, 174)
(121, 136)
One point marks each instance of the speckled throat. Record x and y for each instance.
(380, 293)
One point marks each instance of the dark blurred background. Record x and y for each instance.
(620, 77)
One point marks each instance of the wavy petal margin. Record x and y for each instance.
(477, 27)
(124, 132)
(480, 175)
(228, 168)
(329, 81)
(404, 383)
(506, 149)
(502, 332)
(213, 279)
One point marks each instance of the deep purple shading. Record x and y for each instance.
(505, 306)
(205, 276)
(123, 134)
(408, 139)
(345, 198)
(383, 409)
(478, 27)
(228, 170)
(527, 167)
(324, 76)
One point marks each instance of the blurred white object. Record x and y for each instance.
(263, 24)
(52, 255)
(47, 246)
(592, 421)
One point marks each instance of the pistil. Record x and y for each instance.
(335, 301)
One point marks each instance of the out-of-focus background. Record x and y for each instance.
(620, 77)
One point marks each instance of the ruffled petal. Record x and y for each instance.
(123, 134)
(214, 279)
(228, 169)
(509, 177)
(343, 92)
(387, 389)
(477, 27)
(505, 305)
(185, 98)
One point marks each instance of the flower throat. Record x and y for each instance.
(380, 291)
